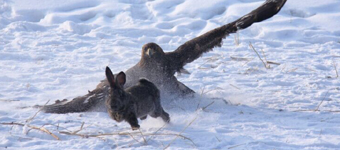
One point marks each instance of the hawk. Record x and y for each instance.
(160, 67)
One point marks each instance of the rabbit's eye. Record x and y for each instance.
(122, 94)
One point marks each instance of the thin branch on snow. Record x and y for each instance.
(203, 108)
(81, 128)
(181, 133)
(336, 70)
(156, 132)
(317, 108)
(33, 127)
(145, 142)
(125, 133)
(30, 119)
(9, 100)
(265, 64)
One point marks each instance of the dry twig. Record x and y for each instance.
(234, 86)
(133, 138)
(317, 108)
(215, 89)
(236, 146)
(336, 70)
(125, 133)
(9, 100)
(156, 132)
(208, 105)
(265, 65)
(240, 58)
(274, 63)
(264, 56)
(81, 128)
(30, 119)
(145, 142)
(181, 133)
(33, 127)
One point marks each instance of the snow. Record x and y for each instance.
(53, 50)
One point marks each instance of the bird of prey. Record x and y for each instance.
(160, 67)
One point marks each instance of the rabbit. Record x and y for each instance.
(137, 101)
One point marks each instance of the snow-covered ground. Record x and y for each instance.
(56, 49)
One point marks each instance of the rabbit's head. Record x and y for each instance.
(117, 94)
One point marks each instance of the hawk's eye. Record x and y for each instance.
(150, 52)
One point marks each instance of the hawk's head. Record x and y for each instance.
(152, 52)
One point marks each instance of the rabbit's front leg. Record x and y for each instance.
(132, 120)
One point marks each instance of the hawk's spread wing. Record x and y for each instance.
(194, 48)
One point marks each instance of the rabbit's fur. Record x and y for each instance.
(137, 101)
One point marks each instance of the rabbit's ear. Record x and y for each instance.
(109, 76)
(121, 79)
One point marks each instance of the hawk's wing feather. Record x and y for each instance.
(194, 48)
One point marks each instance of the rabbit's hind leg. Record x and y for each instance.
(165, 116)
(143, 118)
(161, 113)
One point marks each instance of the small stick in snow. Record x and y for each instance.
(156, 132)
(307, 110)
(234, 86)
(336, 70)
(181, 133)
(236, 146)
(217, 139)
(223, 100)
(202, 92)
(9, 100)
(208, 105)
(274, 63)
(265, 58)
(33, 127)
(334, 111)
(317, 108)
(30, 119)
(125, 133)
(133, 137)
(265, 65)
(145, 142)
(81, 128)
(215, 89)
(240, 58)
(58, 126)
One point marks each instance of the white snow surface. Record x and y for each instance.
(56, 49)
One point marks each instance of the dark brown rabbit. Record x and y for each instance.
(137, 101)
